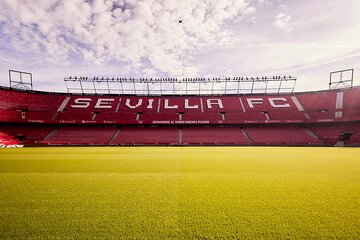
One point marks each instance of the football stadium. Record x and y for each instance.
(191, 119)
(173, 161)
(248, 111)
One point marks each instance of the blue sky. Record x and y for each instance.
(132, 38)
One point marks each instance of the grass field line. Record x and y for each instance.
(180, 193)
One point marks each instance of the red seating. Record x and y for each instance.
(213, 135)
(330, 133)
(134, 101)
(25, 106)
(94, 119)
(279, 135)
(317, 101)
(29, 133)
(229, 104)
(32, 101)
(10, 115)
(351, 98)
(354, 140)
(147, 135)
(81, 136)
(179, 103)
(351, 113)
(37, 107)
(7, 140)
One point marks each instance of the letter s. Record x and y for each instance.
(81, 103)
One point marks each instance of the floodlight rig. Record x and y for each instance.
(184, 86)
(20, 83)
(341, 81)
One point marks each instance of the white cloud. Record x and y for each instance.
(283, 22)
(331, 3)
(56, 38)
(139, 34)
(264, 1)
(249, 11)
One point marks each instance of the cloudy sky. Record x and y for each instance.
(143, 38)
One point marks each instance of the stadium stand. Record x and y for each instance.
(354, 140)
(8, 141)
(281, 135)
(27, 133)
(10, 115)
(331, 133)
(146, 136)
(214, 136)
(351, 114)
(80, 136)
(351, 98)
(317, 101)
(311, 118)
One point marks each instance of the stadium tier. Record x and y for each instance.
(7, 140)
(311, 118)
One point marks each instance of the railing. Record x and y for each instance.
(184, 86)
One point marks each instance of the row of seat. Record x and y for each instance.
(209, 135)
(171, 118)
(27, 133)
(7, 140)
(184, 136)
(23, 106)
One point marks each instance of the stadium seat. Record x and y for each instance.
(147, 135)
(281, 135)
(330, 133)
(56, 118)
(81, 135)
(28, 133)
(213, 136)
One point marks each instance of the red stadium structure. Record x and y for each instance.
(323, 118)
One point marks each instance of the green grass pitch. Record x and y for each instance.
(180, 193)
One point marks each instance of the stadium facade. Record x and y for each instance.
(322, 118)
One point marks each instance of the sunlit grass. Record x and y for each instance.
(180, 193)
